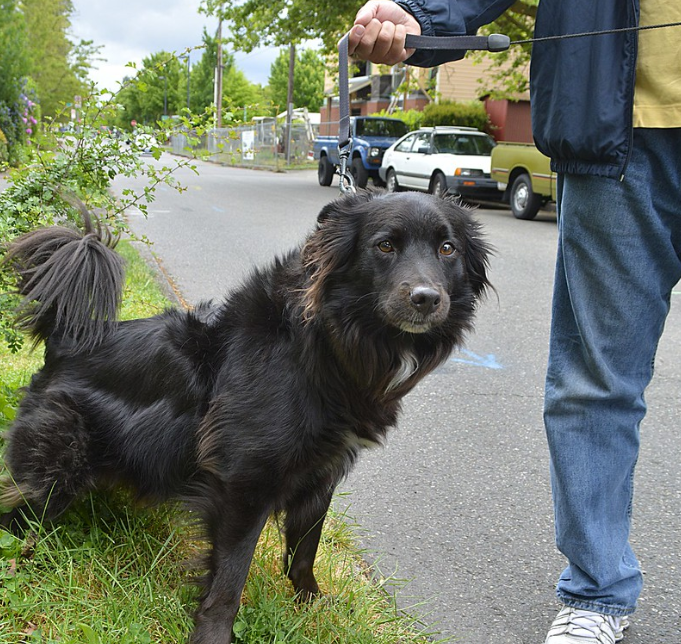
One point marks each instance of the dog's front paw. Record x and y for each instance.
(212, 627)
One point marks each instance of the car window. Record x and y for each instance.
(484, 144)
(422, 140)
(381, 127)
(405, 144)
(471, 144)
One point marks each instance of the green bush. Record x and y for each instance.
(469, 114)
(83, 162)
(412, 118)
(4, 150)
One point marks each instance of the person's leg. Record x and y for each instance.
(618, 260)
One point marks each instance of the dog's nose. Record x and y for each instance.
(425, 299)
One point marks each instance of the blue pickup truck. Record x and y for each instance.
(371, 136)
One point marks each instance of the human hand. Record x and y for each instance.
(379, 32)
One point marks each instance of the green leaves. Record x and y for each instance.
(8, 405)
(135, 635)
(308, 83)
(509, 76)
(83, 161)
(10, 548)
(256, 23)
(470, 114)
(58, 66)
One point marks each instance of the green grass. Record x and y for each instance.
(110, 572)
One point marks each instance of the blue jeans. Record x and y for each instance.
(618, 260)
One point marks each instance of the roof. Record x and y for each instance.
(354, 85)
(451, 129)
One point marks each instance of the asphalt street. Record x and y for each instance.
(458, 503)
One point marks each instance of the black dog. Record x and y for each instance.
(255, 406)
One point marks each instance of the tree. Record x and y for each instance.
(14, 66)
(202, 77)
(241, 96)
(14, 63)
(161, 84)
(308, 80)
(280, 22)
(256, 23)
(159, 88)
(510, 77)
(236, 89)
(58, 68)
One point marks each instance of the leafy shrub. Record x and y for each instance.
(81, 162)
(412, 118)
(4, 150)
(468, 114)
(12, 133)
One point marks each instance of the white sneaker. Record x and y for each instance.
(575, 626)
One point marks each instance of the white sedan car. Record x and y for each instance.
(439, 159)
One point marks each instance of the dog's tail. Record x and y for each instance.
(71, 281)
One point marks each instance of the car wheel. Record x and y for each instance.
(524, 202)
(391, 181)
(359, 173)
(325, 171)
(438, 185)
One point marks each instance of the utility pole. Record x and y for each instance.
(406, 88)
(188, 73)
(218, 80)
(165, 95)
(289, 100)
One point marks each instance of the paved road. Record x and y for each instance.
(459, 500)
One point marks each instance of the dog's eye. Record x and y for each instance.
(447, 249)
(386, 246)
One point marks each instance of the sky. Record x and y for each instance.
(130, 30)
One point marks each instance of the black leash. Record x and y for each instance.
(493, 43)
(603, 32)
(499, 42)
(347, 181)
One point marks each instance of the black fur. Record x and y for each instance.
(255, 406)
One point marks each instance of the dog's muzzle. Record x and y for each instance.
(416, 309)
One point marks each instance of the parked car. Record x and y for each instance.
(524, 175)
(435, 159)
(371, 135)
(145, 143)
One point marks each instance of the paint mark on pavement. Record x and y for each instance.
(488, 362)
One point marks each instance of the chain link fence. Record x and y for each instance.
(260, 145)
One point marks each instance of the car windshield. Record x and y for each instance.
(381, 127)
(472, 144)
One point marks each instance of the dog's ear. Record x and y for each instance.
(346, 205)
(329, 249)
(477, 256)
(477, 249)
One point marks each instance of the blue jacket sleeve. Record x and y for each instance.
(450, 18)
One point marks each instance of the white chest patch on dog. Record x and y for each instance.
(408, 367)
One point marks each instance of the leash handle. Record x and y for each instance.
(493, 42)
